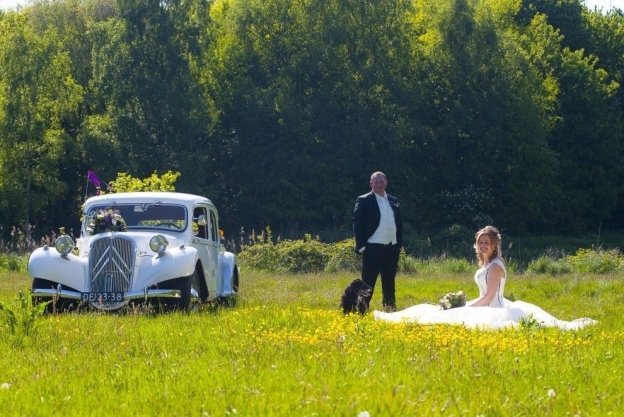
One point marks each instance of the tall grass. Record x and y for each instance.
(285, 349)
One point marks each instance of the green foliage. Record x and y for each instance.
(288, 256)
(302, 256)
(548, 265)
(456, 238)
(16, 263)
(38, 99)
(597, 261)
(260, 254)
(530, 323)
(13, 262)
(456, 266)
(287, 332)
(497, 111)
(464, 206)
(158, 116)
(21, 318)
(407, 264)
(308, 255)
(444, 265)
(126, 183)
(343, 257)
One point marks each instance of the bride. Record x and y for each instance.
(491, 309)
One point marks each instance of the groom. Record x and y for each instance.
(378, 237)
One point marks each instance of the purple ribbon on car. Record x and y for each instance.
(94, 178)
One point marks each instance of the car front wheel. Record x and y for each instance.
(190, 292)
(54, 305)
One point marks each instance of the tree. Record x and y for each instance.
(126, 183)
(36, 93)
(307, 92)
(589, 143)
(150, 114)
(586, 136)
(487, 118)
(607, 45)
(565, 16)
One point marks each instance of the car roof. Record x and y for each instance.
(148, 197)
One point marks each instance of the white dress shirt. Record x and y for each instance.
(386, 231)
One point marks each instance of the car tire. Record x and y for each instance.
(54, 306)
(190, 292)
(235, 280)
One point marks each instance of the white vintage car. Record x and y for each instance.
(161, 248)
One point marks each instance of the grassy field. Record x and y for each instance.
(285, 349)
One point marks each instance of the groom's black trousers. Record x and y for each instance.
(381, 259)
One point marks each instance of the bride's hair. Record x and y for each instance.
(495, 238)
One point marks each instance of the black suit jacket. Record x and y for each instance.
(366, 217)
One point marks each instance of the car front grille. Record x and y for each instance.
(111, 263)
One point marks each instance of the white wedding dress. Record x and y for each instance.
(500, 313)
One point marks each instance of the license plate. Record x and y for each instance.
(102, 297)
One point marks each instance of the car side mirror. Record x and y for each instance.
(201, 220)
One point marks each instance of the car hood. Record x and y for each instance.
(141, 239)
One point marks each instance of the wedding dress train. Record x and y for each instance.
(499, 314)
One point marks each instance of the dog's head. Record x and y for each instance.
(355, 297)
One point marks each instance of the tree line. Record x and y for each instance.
(506, 112)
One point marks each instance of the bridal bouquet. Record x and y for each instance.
(453, 299)
(106, 221)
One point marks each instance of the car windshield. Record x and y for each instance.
(147, 215)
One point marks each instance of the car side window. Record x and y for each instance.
(213, 226)
(199, 230)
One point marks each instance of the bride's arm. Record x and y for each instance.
(494, 274)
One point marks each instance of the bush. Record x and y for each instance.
(342, 257)
(290, 256)
(596, 261)
(407, 264)
(308, 255)
(548, 265)
(20, 318)
(13, 263)
(259, 257)
(126, 183)
(302, 256)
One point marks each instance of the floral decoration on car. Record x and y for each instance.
(106, 221)
(453, 299)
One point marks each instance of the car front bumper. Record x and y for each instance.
(147, 293)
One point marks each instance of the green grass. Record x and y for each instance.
(285, 349)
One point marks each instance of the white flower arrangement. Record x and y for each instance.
(106, 221)
(452, 300)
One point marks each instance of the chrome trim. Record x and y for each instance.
(130, 295)
(111, 263)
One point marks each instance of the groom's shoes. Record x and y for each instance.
(390, 308)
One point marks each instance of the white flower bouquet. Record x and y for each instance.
(106, 221)
(453, 299)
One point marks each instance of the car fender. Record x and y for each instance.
(227, 263)
(47, 263)
(174, 263)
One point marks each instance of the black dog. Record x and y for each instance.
(355, 297)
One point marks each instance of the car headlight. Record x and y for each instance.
(64, 244)
(158, 244)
